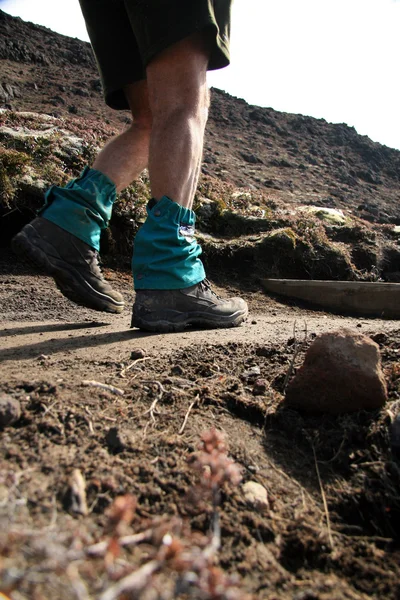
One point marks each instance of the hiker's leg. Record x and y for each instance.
(65, 239)
(165, 250)
(179, 99)
(126, 155)
(169, 277)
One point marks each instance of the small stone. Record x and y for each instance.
(114, 440)
(251, 158)
(137, 353)
(251, 372)
(256, 495)
(379, 338)
(260, 387)
(341, 373)
(119, 439)
(10, 410)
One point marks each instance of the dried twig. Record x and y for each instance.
(89, 421)
(134, 582)
(129, 367)
(328, 521)
(153, 405)
(49, 408)
(187, 415)
(103, 386)
(294, 482)
(77, 486)
(100, 549)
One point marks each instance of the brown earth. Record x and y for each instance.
(332, 527)
(49, 347)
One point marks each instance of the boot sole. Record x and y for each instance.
(68, 279)
(176, 321)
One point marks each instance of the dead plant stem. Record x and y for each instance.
(328, 521)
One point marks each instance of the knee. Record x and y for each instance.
(142, 120)
(185, 102)
(138, 100)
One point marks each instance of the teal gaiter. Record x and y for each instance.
(165, 253)
(83, 207)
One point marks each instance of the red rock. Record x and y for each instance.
(10, 410)
(341, 373)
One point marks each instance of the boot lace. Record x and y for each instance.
(96, 265)
(206, 286)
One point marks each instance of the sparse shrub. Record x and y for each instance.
(185, 561)
(12, 164)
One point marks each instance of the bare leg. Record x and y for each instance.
(178, 97)
(125, 156)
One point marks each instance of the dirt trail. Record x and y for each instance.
(23, 342)
(38, 320)
(199, 379)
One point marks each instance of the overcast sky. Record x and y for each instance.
(335, 59)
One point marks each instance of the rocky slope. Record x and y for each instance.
(295, 158)
(264, 172)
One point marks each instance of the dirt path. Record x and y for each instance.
(24, 342)
(197, 380)
(37, 320)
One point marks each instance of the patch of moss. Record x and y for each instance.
(12, 164)
(286, 236)
(13, 161)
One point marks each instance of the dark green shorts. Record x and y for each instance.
(127, 34)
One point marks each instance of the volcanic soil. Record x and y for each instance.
(126, 409)
(331, 527)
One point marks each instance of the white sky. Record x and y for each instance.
(336, 59)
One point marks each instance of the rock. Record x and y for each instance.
(260, 387)
(380, 337)
(256, 495)
(331, 216)
(10, 410)
(80, 92)
(341, 373)
(251, 158)
(251, 373)
(58, 99)
(95, 84)
(138, 353)
(119, 439)
(9, 92)
(177, 370)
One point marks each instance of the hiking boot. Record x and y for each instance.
(173, 310)
(72, 263)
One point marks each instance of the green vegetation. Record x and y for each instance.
(254, 232)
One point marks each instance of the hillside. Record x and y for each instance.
(297, 159)
(171, 466)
